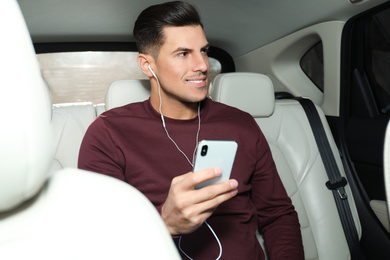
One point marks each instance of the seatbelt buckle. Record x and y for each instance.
(339, 186)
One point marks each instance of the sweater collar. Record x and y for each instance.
(203, 111)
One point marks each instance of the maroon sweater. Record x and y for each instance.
(129, 143)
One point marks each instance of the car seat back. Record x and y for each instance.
(299, 164)
(71, 214)
(123, 92)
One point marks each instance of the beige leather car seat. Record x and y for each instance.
(69, 123)
(123, 92)
(72, 214)
(288, 132)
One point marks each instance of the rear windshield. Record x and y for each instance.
(85, 76)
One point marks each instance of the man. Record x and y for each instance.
(150, 145)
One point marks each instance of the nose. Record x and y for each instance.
(201, 62)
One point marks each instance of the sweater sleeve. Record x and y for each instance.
(99, 153)
(277, 219)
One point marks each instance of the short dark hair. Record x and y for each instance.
(148, 28)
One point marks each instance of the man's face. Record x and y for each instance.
(183, 65)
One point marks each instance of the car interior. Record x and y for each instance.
(66, 62)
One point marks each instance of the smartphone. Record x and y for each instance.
(215, 153)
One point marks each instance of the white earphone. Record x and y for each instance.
(159, 94)
(191, 163)
(154, 75)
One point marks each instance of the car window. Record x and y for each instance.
(84, 76)
(377, 57)
(312, 63)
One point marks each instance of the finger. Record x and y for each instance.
(212, 191)
(200, 176)
(216, 193)
(205, 208)
(189, 180)
(212, 196)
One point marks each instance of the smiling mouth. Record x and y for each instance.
(197, 81)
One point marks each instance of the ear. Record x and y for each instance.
(144, 61)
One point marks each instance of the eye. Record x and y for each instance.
(183, 54)
(205, 51)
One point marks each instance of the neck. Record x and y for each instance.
(173, 108)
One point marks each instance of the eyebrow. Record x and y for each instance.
(183, 49)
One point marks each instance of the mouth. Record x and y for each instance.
(196, 81)
(200, 82)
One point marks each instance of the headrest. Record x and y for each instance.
(250, 92)
(123, 92)
(25, 136)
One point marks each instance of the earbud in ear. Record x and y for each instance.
(150, 68)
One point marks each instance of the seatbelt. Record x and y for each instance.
(336, 182)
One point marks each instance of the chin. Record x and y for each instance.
(194, 99)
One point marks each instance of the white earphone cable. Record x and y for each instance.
(216, 238)
(165, 128)
(191, 163)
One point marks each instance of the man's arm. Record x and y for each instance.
(98, 152)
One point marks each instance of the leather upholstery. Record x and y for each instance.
(379, 207)
(123, 92)
(69, 123)
(299, 164)
(24, 147)
(259, 102)
(71, 214)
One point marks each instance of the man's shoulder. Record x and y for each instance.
(129, 110)
(119, 117)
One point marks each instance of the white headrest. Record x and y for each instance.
(250, 92)
(123, 92)
(25, 150)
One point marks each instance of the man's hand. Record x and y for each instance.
(185, 208)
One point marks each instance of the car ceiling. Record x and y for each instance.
(235, 26)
